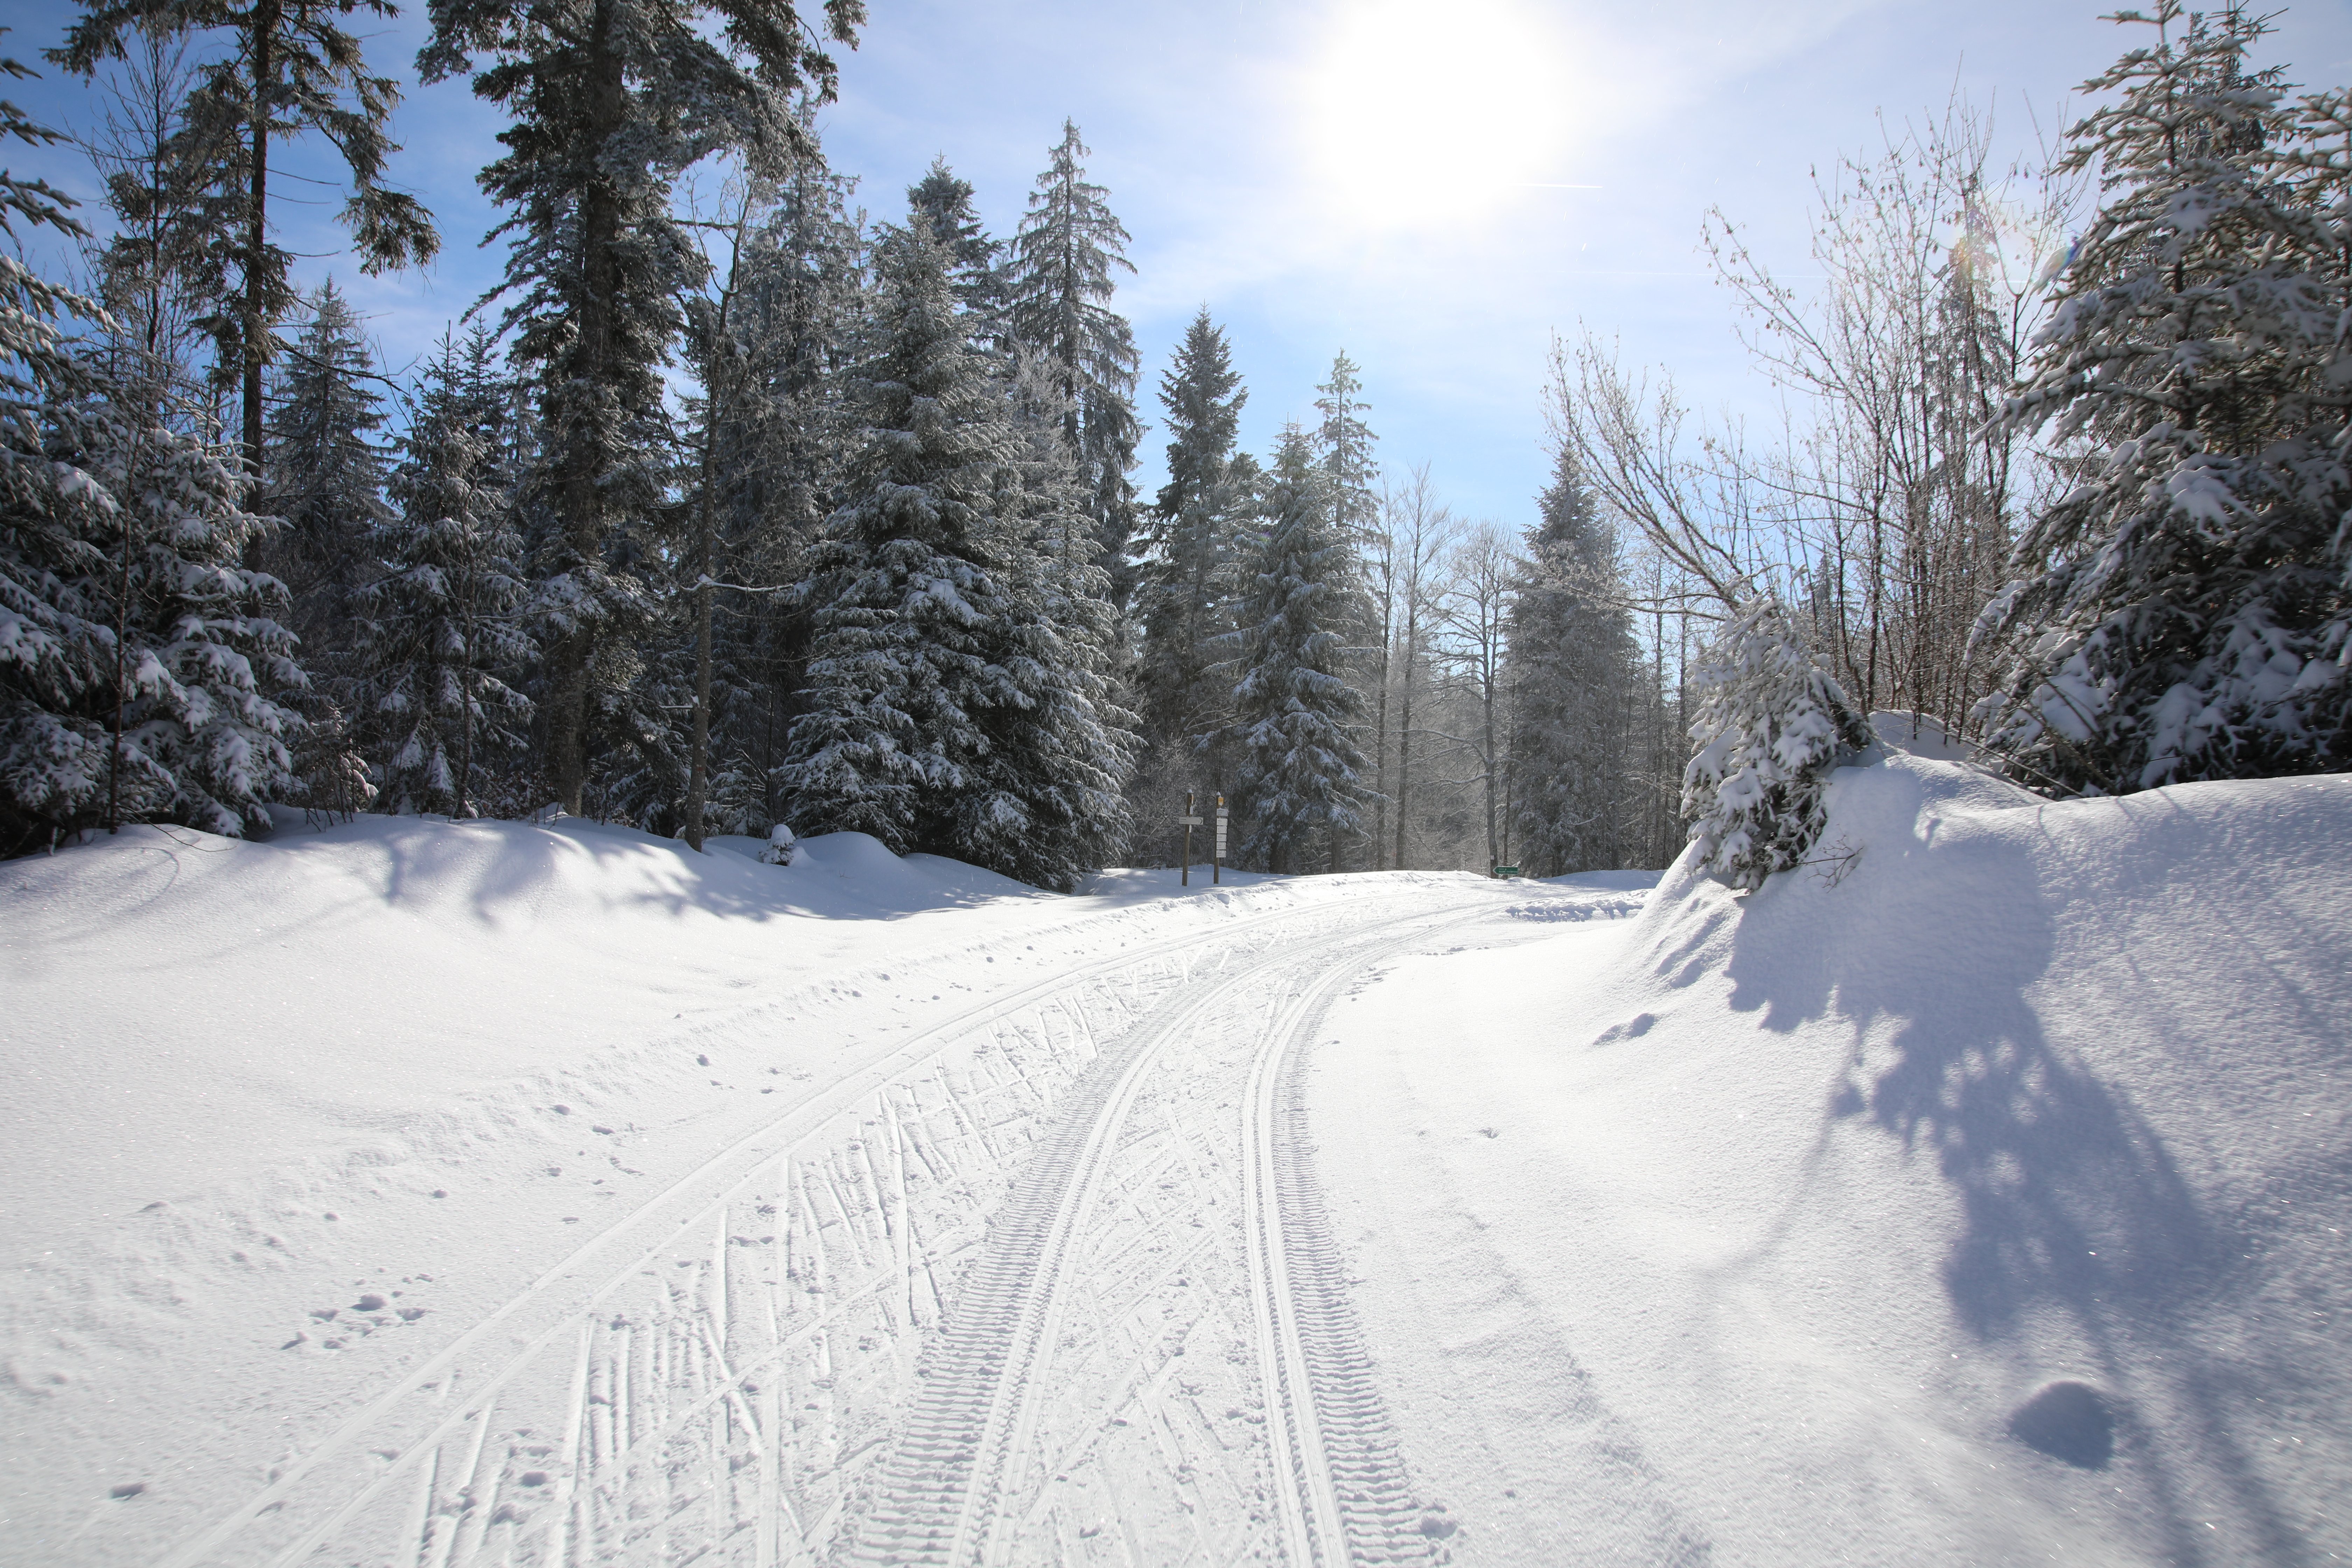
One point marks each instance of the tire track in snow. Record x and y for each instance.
(344, 1480)
(959, 1479)
(1343, 1488)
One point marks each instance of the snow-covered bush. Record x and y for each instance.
(1771, 724)
(783, 848)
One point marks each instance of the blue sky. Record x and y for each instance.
(1407, 182)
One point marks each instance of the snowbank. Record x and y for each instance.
(1978, 1197)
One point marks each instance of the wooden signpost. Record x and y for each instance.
(1189, 821)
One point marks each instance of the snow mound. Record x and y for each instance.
(2063, 1083)
(1978, 1193)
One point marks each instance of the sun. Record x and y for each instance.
(1416, 112)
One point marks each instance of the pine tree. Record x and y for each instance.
(609, 103)
(437, 631)
(1304, 775)
(1061, 287)
(1070, 747)
(292, 71)
(56, 647)
(765, 343)
(944, 202)
(1573, 673)
(1771, 724)
(951, 710)
(1345, 443)
(1183, 602)
(906, 604)
(2185, 612)
(323, 476)
(141, 664)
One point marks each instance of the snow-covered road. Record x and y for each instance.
(1048, 1279)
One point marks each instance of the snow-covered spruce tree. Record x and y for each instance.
(141, 665)
(781, 436)
(56, 643)
(1182, 602)
(2183, 613)
(1302, 774)
(1069, 750)
(611, 101)
(323, 478)
(1344, 444)
(436, 634)
(1771, 724)
(1061, 287)
(1574, 674)
(932, 658)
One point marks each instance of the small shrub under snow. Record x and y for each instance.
(1771, 724)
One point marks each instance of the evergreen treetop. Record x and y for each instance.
(1068, 248)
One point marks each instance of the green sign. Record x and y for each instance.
(1506, 871)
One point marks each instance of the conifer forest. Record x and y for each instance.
(748, 497)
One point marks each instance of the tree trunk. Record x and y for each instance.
(580, 491)
(1493, 846)
(698, 786)
(1405, 736)
(257, 234)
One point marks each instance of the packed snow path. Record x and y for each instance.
(1050, 1279)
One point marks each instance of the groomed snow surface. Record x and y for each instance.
(417, 1193)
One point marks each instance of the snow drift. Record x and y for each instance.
(1977, 1193)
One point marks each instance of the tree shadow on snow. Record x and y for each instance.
(2069, 1197)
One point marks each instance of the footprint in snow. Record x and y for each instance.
(126, 1489)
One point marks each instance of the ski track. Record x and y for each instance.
(725, 1393)
(965, 1484)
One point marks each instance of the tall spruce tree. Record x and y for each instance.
(611, 101)
(57, 646)
(948, 713)
(1294, 707)
(2184, 612)
(1067, 249)
(437, 631)
(291, 70)
(142, 665)
(323, 476)
(1068, 750)
(1574, 677)
(1183, 601)
(1345, 443)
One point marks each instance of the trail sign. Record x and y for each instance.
(1188, 822)
(1217, 866)
(1506, 871)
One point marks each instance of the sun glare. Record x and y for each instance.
(1417, 112)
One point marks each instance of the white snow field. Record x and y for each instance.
(462, 1194)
